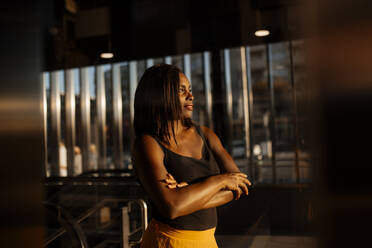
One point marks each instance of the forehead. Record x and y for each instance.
(184, 81)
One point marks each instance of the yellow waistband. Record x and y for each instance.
(180, 234)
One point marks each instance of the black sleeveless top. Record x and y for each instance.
(190, 170)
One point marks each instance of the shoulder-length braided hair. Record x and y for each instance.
(156, 103)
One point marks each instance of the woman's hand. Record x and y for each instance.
(236, 182)
(171, 183)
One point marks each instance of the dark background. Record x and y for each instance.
(140, 29)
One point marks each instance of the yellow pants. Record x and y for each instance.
(160, 235)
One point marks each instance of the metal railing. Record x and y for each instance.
(125, 210)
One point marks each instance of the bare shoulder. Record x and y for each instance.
(208, 133)
(206, 130)
(146, 145)
(145, 141)
(212, 138)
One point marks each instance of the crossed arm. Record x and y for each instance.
(174, 202)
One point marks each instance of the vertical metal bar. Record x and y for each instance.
(250, 110)
(149, 63)
(187, 66)
(246, 107)
(55, 111)
(125, 227)
(295, 117)
(117, 107)
(45, 125)
(207, 87)
(168, 60)
(70, 120)
(229, 101)
(272, 109)
(132, 87)
(143, 206)
(101, 116)
(85, 117)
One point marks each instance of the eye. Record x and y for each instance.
(181, 90)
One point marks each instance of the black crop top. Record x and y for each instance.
(190, 170)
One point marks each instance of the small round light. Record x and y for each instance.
(262, 32)
(107, 55)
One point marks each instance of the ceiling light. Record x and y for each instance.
(107, 55)
(262, 33)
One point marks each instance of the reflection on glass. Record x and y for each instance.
(78, 157)
(262, 149)
(93, 146)
(287, 124)
(46, 78)
(141, 67)
(237, 125)
(127, 125)
(158, 61)
(109, 125)
(177, 61)
(284, 128)
(62, 142)
(197, 82)
(302, 96)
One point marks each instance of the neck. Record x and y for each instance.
(178, 127)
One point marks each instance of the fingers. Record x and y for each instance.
(237, 193)
(170, 176)
(246, 181)
(239, 184)
(172, 183)
(172, 186)
(244, 188)
(182, 184)
(239, 174)
(177, 185)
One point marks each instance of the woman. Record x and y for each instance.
(183, 167)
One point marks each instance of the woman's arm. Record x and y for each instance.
(220, 198)
(226, 164)
(223, 158)
(148, 161)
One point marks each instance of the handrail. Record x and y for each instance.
(98, 206)
(144, 223)
(62, 213)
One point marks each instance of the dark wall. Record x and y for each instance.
(341, 52)
(22, 222)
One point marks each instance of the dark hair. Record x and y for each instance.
(157, 102)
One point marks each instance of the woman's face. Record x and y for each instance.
(186, 97)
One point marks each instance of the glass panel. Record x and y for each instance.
(141, 67)
(237, 125)
(78, 159)
(158, 61)
(262, 151)
(109, 117)
(197, 82)
(284, 128)
(302, 105)
(178, 61)
(127, 127)
(93, 151)
(48, 124)
(62, 144)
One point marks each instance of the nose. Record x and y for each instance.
(189, 96)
